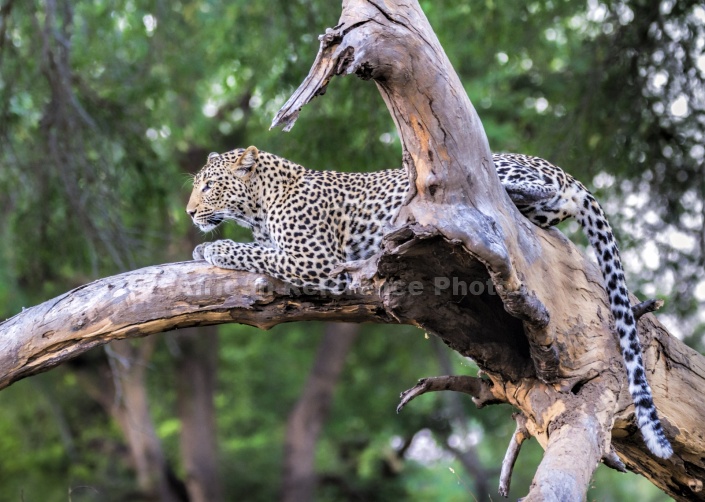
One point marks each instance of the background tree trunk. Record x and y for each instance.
(118, 384)
(195, 371)
(131, 409)
(310, 412)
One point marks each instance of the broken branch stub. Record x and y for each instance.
(521, 434)
(479, 389)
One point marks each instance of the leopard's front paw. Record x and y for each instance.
(199, 253)
(220, 253)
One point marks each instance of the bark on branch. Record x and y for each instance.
(157, 299)
(520, 435)
(566, 375)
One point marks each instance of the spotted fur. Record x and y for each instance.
(547, 195)
(306, 222)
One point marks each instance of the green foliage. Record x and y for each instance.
(56, 441)
(106, 105)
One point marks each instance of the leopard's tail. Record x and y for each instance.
(599, 233)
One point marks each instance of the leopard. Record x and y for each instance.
(305, 223)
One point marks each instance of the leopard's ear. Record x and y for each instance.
(245, 165)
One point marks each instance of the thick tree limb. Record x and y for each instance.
(156, 299)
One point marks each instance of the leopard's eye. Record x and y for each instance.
(207, 186)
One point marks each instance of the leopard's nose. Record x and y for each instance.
(191, 212)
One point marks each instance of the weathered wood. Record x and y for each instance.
(566, 375)
(476, 387)
(521, 434)
(157, 299)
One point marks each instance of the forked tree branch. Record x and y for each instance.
(566, 375)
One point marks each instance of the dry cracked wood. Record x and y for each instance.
(157, 299)
(566, 375)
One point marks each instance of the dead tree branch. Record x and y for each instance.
(479, 389)
(156, 299)
(541, 328)
(520, 435)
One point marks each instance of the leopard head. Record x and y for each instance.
(222, 190)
